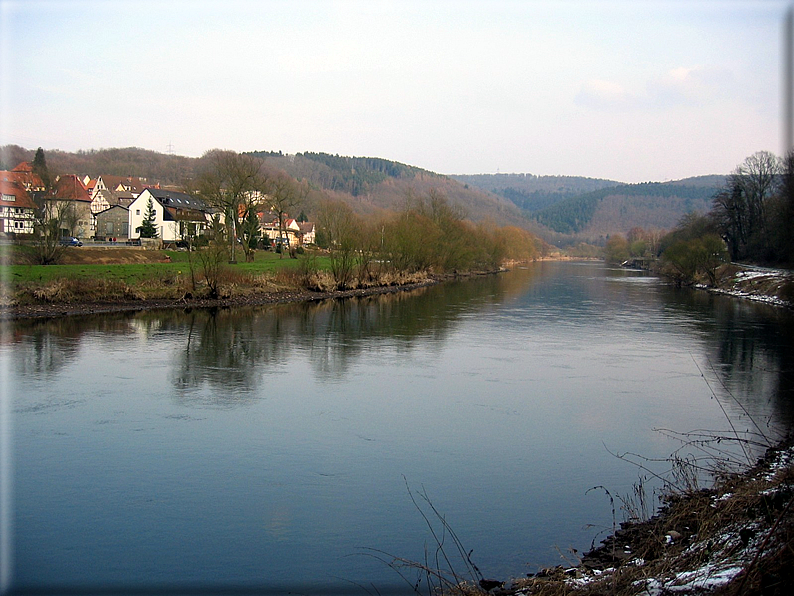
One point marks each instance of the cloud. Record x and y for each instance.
(691, 85)
(681, 86)
(604, 95)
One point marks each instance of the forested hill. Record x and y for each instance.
(370, 184)
(353, 175)
(126, 161)
(650, 205)
(533, 193)
(367, 184)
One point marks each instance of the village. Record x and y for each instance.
(113, 209)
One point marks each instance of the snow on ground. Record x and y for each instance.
(730, 548)
(761, 284)
(706, 579)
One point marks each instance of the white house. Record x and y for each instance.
(176, 214)
(291, 231)
(308, 232)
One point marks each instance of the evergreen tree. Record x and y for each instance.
(148, 229)
(40, 167)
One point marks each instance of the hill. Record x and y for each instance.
(128, 161)
(372, 184)
(559, 209)
(367, 184)
(533, 193)
(572, 209)
(650, 205)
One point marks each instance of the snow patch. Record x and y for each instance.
(707, 578)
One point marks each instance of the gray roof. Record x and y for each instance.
(113, 207)
(180, 200)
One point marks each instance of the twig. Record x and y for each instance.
(761, 548)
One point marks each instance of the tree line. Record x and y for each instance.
(427, 235)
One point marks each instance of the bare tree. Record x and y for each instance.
(342, 229)
(231, 183)
(285, 193)
(741, 209)
(52, 216)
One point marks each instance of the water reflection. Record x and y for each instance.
(230, 351)
(749, 348)
(312, 415)
(221, 357)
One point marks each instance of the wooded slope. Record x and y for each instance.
(560, 209)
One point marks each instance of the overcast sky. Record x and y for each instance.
(631, 91)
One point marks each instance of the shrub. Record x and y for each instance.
(685, 261)
(616, 249)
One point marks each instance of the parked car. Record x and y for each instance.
(70, 241)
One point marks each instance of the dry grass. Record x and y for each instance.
(324, 281)
(733, 539)
(736, 538)
(85, 290)
(773, 284)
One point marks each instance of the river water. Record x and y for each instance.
(296, 446)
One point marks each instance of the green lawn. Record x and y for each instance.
(266, 261)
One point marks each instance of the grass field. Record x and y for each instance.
(87, 263)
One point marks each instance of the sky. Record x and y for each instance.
(631, 91)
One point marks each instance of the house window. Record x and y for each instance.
(108, 227)
(9, 198)
(137, 212)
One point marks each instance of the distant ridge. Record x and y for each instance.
(591, 209)
(560, 209)
(649, 205)
(533, 193)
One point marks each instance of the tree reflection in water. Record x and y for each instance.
(222, 357)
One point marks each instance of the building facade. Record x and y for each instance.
(17, 209)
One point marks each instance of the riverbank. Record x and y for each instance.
(278, 296)
(751, 282)
(760, 284)
(162, 280)
(736, 538)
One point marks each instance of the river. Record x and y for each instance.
(295, 447)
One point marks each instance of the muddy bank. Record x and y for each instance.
(51, 310)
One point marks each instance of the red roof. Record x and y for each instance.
(26, 179)
(21, 197)
(71, 187)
